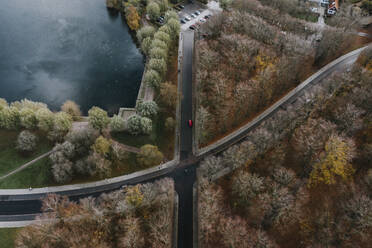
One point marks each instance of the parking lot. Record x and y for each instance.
(190, 8)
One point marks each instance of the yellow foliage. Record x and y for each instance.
(263, 61)
(133, 19)
(336, 163)
(134, 196)
(102, 146)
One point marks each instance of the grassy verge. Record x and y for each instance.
(10, 159)
(7, 237)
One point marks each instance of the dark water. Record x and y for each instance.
(55, 50)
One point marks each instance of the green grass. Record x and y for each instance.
(7, 237)
(10, 158)
(36, 175)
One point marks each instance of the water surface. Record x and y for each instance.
(55, 50)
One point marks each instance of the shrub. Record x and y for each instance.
(147, 108)
(98, 118)
(149, 156)
(72, 109)
(26, 142)
(117, 123)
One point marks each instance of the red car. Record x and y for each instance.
(189, 122)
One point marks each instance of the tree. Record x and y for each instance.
(149, 156)
(133, 19)
(26, 141)
(45, 119)
(174, 27)
(61, 126)
(102, 146)
(3, 103)
(98, 118)
(147, 108)
(158, 65)
(9, 118)
(134, 124)
(28, 118)
(72, 109)
(101, 165)
(152, 78)
(335, 162)
(146, 45)
(118, 151)
(163, 36)
(158, 53)
(225, 4)
(146, 31)
(62, 171)
(159, 44)
(133, 237)
(117, 123)
(153, 10)
(163, 5)
(82, 139)
(146, 125)
(168, 94)
(246, 187)
(170, 124)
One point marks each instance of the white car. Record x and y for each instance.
(202, 20)
(188, 18)
(193, 15)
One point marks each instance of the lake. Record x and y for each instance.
(57, 50)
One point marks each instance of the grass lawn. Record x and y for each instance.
(7, 236)
(10, 159)
(36, 175)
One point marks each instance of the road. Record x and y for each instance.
(186, 103)
(26, 207)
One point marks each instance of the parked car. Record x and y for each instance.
(192, 27)
(206, 17)
(193, 15)
(197, 12)
(181, 6)
(183, 21)
(177, 8)
(187, 18)
(202, 20)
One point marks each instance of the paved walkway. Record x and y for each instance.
(22, 167)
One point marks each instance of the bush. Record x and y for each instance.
(117, 123)
(26, 142)
(72, 109)
(98, 118)
(147, 109)
(149, 156)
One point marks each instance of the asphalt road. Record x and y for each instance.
(186, 103)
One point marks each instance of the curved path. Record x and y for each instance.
(22, 205)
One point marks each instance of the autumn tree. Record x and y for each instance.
(133, 19)
(72, 109)
(335, 163)
(149, 156)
